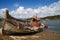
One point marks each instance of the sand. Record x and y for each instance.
(45, 35)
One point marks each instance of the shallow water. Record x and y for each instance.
(54, 25)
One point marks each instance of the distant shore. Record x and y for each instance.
(52, 17)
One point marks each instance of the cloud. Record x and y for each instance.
(2, 12)
(51, 10)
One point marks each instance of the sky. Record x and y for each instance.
(28, 8)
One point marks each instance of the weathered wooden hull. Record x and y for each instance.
(11, 25)
(10, 28)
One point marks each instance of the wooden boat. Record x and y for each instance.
(13, 25)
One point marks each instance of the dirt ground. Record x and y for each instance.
(46, 35)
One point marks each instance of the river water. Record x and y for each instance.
(53, 25)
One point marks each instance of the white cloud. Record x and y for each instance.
(2, 11)
(52, 9)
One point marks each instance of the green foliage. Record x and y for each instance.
(52, 17)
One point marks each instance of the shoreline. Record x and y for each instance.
(45, 35)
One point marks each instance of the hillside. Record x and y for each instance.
(52, 17)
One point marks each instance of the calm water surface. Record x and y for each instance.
(54, 25)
